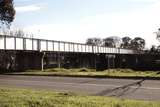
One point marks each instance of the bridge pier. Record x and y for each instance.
(42, 61)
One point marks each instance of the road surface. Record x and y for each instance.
(123, 88)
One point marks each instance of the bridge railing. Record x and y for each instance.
(32, 44)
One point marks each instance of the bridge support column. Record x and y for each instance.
(59, 60)
(110, 61)
(42, 61)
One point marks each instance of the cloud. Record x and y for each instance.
(142, 22)
(63, 32)
(145, 1)
(136, 23)
(28, 8)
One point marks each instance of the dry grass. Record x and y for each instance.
(91, 73)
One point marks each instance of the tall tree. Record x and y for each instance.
(7, 12)
(126, 42)
(138, 43)
(112, 41)
(94, 41)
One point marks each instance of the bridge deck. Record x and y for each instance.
(32, 44)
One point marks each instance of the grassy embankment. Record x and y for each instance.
(92, 73)
(34, 98)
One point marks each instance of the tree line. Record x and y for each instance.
(126, 42)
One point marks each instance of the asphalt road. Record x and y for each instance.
(123, 88)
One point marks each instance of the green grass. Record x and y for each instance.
(91, 73)
(39, 98)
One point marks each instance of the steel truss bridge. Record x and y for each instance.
(28, 53)
(33, 44)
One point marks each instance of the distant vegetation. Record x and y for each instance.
(34, 98)
(137, 43)
(126, 42)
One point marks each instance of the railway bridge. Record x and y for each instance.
(20, 53)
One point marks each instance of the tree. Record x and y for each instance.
(20, 33)
(158, 34)
(7, 12)
(112, 41)
(153, 49)
(158, 49)
(126, 42)
(94, 41)
(138, 43)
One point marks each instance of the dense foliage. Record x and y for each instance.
(7, 12)
(126, 42)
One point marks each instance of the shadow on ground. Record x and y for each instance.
(123, 90)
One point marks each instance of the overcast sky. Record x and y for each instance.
(77, 20)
